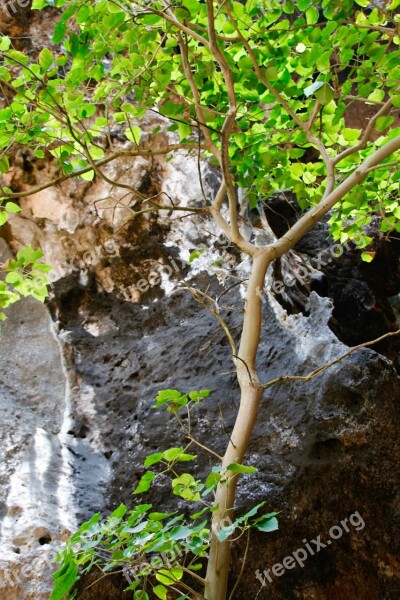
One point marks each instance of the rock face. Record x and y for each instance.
(328, 448)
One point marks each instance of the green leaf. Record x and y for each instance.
(45, 59)
(86, 526)
(152, 459)
(140, 595)
(225, 532)
(181, 532)
(212, 480)
(172, 397)
(133, 134)
(59, 32)
(11, 207)
(119, 512)
(198, 396)
(172, 453)
(367, 256)
(39, 4)
(19, 57)
(324, 94)
(312, 15)
(177, 454)
(169, 576)
(196, 567)
(145, 482)
(89, 176)
(133, 585)
(83, 14)
(4, 164)
(5, 43)
(13, 278)
(29, 255)
(268, 524)
(235, 468)
(186, 487)
(271, 73)
(167, 396)
(383, 123)
(350, 135)
(85, 111)
(3, 217)
(377, 95)
(184, 130)
(160, 591)
(196, 254)
(251, 512)
(159, 516)
(65, 579)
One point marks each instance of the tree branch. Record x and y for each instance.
(315, 214)
(196, 97)
(228, 124)
(99, 163)
(366, 135)
(305, 378)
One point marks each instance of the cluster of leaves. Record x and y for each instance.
(154, 550)
(26, 276)
(293, 63)
(356, 212)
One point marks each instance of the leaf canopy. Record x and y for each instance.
(293, 66)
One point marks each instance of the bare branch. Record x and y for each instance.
(305, 378)
(205, 300)
(366, 135)
(196, 97)
(192, 439)
(99, 163)
(228, 124)
(232, 594)
(155, 207)
(393, 163)
(314, 113)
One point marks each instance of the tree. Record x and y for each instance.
(263, 89)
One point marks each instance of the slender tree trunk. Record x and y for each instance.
(251, 394)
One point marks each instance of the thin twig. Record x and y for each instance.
(99, 163)
(242, 567)
(192, 439)
(366, 135)
(193, 574)
(305, 378)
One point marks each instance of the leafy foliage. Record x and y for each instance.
(155, 550)
(296, 66)
(26, 276)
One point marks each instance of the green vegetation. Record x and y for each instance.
(154, 550)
